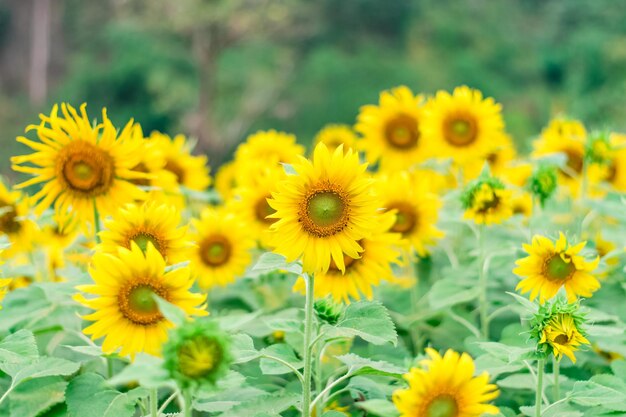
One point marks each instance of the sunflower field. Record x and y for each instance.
(410, 265)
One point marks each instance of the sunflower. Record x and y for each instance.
(334, 135)
(522, 203)
(152, 163)
(392, 131)
(415, 207)
(487, 201)
(567, 137)
(126, 312)
(324, 210)
(563, 335)
(83, 166)
(5, 284)
(226, 180)
(500, 157)
(265, 149)
(380, 251)
(223, 247)
(446, 388)
(14, 221)
(252, 203)
(611, 170)
(462, 125)
(150, 222)
(55, 237)
(550, 266)
(190, 171)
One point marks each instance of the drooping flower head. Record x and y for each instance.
(543, 182)
(14, 221)
(462, 125)
(558, 329)
(197, 353)
(126, 311)
(334, 135)
(446, 387)
(324, 210)
(391, 131)
(552, 265)
(81, 165)
(487, 201)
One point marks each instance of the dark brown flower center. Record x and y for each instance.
(402, 132)
(574, 162)
(262, 209)
(85, 169)
(8, 223)
(561, 339)
(144, 182)
(460, 130)
(175, 168)
(215, 250)
(406, 217)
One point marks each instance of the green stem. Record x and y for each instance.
(308, 329)
(556, 370)
(482, 282)
(154, 403)
(317, 365)
(188, 410)
(539, 393)
(96, 222)
(109, 367)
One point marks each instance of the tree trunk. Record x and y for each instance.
(39, 52)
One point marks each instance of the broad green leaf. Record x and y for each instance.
(593, 394)
(269, 262)
(243, 348)
(88, 395)
(230, 391)
(36, 396)
(19, 347)
(171, 312)
(270, 404)
(509, 354)
(368, 387)
(494, 366)
(147, 370)
(449, 292)
(43, 367)
(362, 366)
(619, 369)
(86, 350)
(283, 352)
(525, 302)
(333, 414)
(379, 408)
(368, 320)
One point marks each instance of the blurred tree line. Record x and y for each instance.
(221, 69)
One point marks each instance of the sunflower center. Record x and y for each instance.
(143, 238)
(144, 182)
(556, 269)
(199, 356)
(442, 406)
(460, 130)
(325, 210)
(8, 224)
(574, 162)
(561, 339)
(262, 209)
(215, 250)
(137, 304)
(402, 132)
(175, 168)
(85, 168)
(406, 218)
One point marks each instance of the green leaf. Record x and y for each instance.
(380, 408)
(593, 394)
(368, 320)
(36, 396)
(147, 370)
(363, 366)
(526, 303)
(509, 354)
(171, 312)
(281, 351)
(333, 414)
(88, 395)
(270, 404)
(19, 347)
(243, 348)
(86, 350)
(449, 292)
(619, 369)
(43, 367)
(269, 262)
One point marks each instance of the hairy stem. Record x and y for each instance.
(539, 393)
(308, 329)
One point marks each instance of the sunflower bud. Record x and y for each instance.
(197, 353)
(543, 182)
(328, 311)
(557, 328)
(486, 201)
(598, 148)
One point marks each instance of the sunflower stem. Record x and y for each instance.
(187, 409)
(96, 222)
(154, 403)
(539, 393)
(556, 370)
(482, 281)
(109, 367)
(308, 329)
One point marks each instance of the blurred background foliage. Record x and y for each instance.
(218, 70)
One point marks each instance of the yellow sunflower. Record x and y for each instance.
(500, 157)
(446, 388)
(83, 166)
(324, 210)
(14, 221)
(550, 266)
(252, 203)
(55, 238)
(334, 135)
(567, 137)
(379, 252)
(191, 171)
(488, 202)
(226, 180)
(415, 207)
(152, 163)
(223, 247)
(612, 170)
(522, 203)
(126, 312)
(5, 284)
(265, 149)
(563, 336)
(150, 222)
(392, 131)
(462, 125)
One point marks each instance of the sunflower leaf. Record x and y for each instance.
(18, 347)
(36, 396)
(368, 320)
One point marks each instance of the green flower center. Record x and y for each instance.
(142, 239)
(137, 303)
(141, 299)
(442, 406)
(460, 130)
(326, 208)
(198, 356)
(557, 269)
(215, 250)
(402, 132)
(85, 168)
(406, 218)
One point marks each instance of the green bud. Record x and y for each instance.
(328, 311)
(543, 182)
